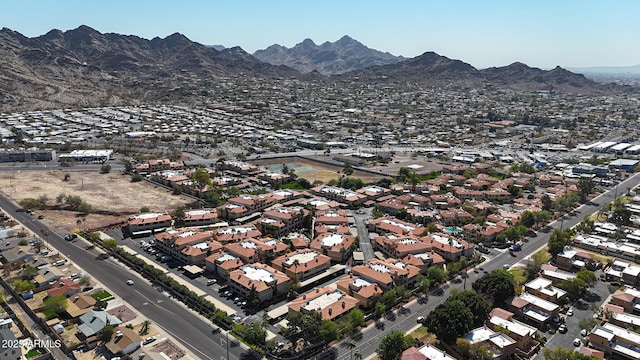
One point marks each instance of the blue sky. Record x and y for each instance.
(484, 33)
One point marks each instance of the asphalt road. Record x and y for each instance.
(372, 336)
(189, 329)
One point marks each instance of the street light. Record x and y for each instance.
(224, 341)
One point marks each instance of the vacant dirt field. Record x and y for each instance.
(312, 170)
(110, 192)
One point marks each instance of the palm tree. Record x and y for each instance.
(351, 344)
(144, 329)
(357, 354)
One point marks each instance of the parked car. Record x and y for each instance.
(149, 340)
(211, 281)
(583, 332)
(420, 319)
(570, 312)
(577, 342)
(562, 329)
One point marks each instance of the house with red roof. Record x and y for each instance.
(332, 304)
(387, 273)
(63, 287)
(365, 291)
(148, 223)
(265, 280)
(222, 264)
(337, 246)
(302, 264)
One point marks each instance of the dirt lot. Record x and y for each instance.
(312, 170)
(111, 192)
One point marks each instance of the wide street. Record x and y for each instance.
(191, 330)
(372, 336)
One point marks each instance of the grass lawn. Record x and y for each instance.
(542, 256)
(32, 353)
(102, 295)
(518, 275)
(293, 186)
(423, 335)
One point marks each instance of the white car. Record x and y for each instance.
(577, 342)
(420, 319)
(129, 282)
(583, 332)
(570, 312)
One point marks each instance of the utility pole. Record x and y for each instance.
(224, 341)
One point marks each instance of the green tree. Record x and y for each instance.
(527, 219)
(620, 215)
(127, 164)
(56, 304)
(253, 334)
(110, 244)
(105, 169)
(587, 276)
(585, 187)
(558, 240)
(380, 309)
(497, 285)
(475, 303)
(201, 177)
(472, 351)
(392, 345)
(423, 283)
(144, 328)
(29, 203)
(390, 297)
(532, 271)
(559, 353)
(588, 323)
(329, 331)
(107, 333)
(356, 318)
(449, 320)
(29, 272)
(178, 216)
(435, 273)
(21, 286)
(575, 288)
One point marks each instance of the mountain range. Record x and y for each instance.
(328, 58)
(83, 67)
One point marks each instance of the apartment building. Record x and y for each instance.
(387, 273)
(302, 264)
(616, 341)
(148, 223)
(222, 264)
(337, 246)
(231, 234)
(332, 304)
(281, 221)
(267, 281)
(575, 260)
(501, 345)
(400, 246)
(365, 291)
(544, 289)
(534, 308)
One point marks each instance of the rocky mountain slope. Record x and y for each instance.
(327, 58)
(84, 67)
(431, 68)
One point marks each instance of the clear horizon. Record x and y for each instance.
(544, 34)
